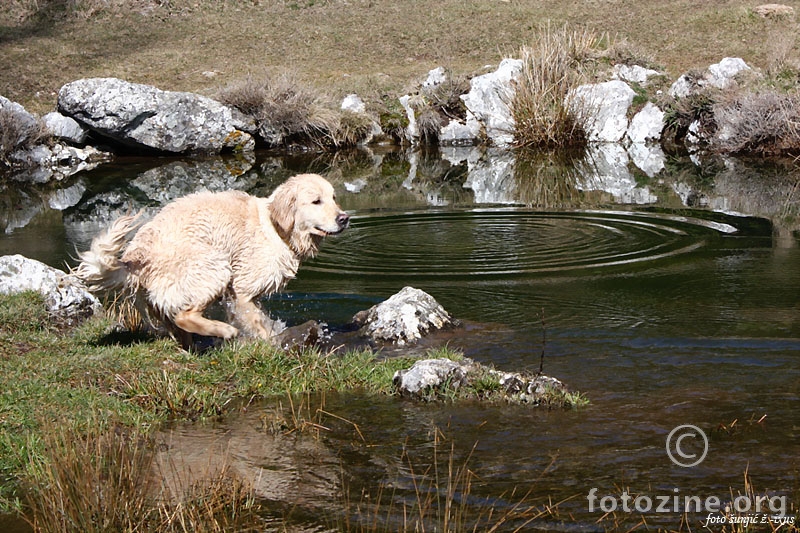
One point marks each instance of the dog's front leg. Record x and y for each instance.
(253, 319)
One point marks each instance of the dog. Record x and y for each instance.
(206, 246)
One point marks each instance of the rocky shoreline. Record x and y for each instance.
(99, 117)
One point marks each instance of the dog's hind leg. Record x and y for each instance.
(192, 320)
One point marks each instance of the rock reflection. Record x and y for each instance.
(292, 468)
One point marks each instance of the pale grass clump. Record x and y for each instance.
(437, 104)
(553, 65)
(765, 123)
(781, 57)
(288, 113)
(439, 496)
(17, 133)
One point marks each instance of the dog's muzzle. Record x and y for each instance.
(343, 221)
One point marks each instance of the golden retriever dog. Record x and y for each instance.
(207, 245)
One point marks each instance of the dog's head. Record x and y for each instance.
(304, 210)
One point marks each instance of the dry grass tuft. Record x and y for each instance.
(439, 496)
(766, 123)
(287, 113)
(88, 484)
(553, 65)
(437, 104)
(17, 133)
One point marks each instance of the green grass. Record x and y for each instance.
(91, 379)
(78, 407)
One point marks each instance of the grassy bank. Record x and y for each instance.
(95, 380)
(90, 379)
(376, 48)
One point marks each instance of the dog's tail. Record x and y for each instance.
(100, 267)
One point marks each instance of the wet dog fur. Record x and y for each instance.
(207, 245)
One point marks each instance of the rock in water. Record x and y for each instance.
(405, 317)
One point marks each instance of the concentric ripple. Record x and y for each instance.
(507, 242)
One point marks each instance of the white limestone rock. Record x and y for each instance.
(602, 108)
(65, 296)
(487, 102)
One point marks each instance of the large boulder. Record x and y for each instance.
(404, 318)
(487, 102)
(65, 296)
(144, 117)
(602, 109)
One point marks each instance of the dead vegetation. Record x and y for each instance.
(288, 113)
(764, 123)
(17, 132)
(376, 49)
(552, 67)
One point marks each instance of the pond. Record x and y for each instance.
(668, 300)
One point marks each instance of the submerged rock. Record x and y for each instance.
(65, 296)
(404, 318)
(429, 378)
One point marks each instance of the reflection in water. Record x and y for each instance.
(660, 314)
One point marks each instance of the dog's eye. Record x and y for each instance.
(318, 201)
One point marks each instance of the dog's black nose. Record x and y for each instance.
(343, 219)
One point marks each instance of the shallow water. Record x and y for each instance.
(665, 313)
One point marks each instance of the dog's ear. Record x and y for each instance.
(282, 207)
